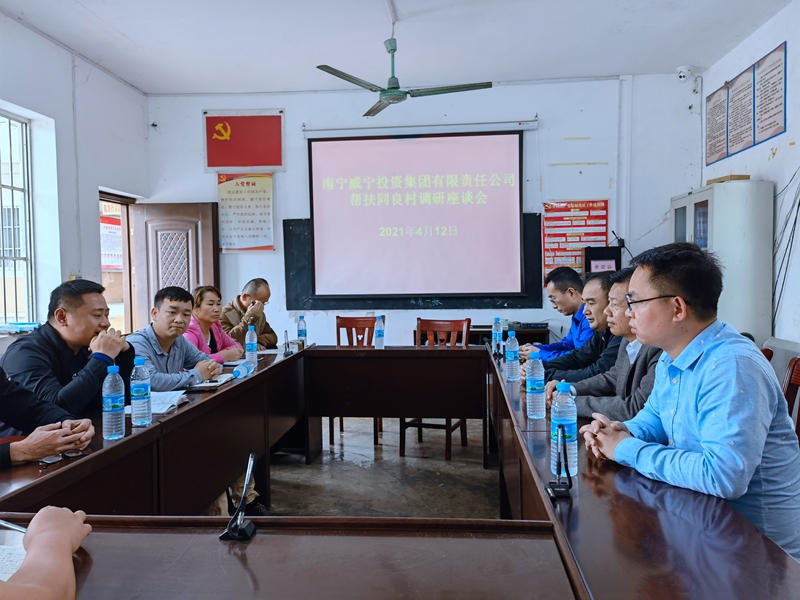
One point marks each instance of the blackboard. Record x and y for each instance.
(298, 256)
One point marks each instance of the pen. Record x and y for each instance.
(13, 527)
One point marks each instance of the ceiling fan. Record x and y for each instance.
(392, 94)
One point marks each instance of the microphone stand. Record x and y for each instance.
(238, 529)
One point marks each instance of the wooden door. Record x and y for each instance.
(171, 244)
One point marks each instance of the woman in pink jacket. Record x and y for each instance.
(205, 333)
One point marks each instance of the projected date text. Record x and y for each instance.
(421, 231)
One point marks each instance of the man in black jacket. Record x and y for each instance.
(52, 430)
(65, 360)
(597, 355)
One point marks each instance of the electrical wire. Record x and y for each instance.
(792, 217)
(616, 239)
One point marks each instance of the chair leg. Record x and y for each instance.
(380, 424)
(448, 440)
(330, 430)
(402, 436)
(419, 431)
(341, 423)
(463, 432)
(375, 432)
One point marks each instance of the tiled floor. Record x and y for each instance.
(355, 478)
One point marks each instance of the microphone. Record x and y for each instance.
(238, 529)
(286, 351)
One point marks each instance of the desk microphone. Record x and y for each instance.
(238, 529)
(557, 489)
(286, 351)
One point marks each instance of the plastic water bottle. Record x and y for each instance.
(379, 331)
(302, 332)
(534, 390)
(564, 412)
(497, 336)
(113, 405)
(512, 357)
(251, 347)
(242, 370)
(141, 408)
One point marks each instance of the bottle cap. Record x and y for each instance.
(251, 328)
(512, 334)
(302, 317)
(112, 369)
(378, 318)
(563, 386)
(497, 319)
(138, 361)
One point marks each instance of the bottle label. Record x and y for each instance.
(494, 337)
(140, 391)
(114, 403)
(512, 355)
(301, 333)
(534, 386)
(379, 333)
(251, 347)
(570, 430)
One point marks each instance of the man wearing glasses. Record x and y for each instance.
(248, 309)
(716, 421)
(564, 287)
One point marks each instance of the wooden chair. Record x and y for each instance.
(359, 333)
(437, 334)
(791, 384)
(768, 353)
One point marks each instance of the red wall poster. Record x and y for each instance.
(568, 227)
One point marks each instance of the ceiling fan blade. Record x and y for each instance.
(449, 89)
(376, 108)
(342, 75)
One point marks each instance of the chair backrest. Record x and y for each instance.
(768, 353)
(359, 330)
(437, 332)
(791, 383)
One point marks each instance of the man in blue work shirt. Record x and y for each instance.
(564, 287)
(716, 421)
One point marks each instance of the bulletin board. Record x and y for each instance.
(568, 227)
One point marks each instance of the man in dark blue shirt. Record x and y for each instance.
(564, 288)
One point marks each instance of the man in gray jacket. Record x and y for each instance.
(621, 391)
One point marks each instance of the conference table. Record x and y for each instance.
(619, 535)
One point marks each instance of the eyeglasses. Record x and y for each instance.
(632, 302)
(553, 298)
(54, 458)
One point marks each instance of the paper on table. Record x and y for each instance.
(11, 558)
(273, 351)
(164, 402)
(213, 384)
(233, 363)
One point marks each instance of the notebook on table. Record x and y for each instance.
(211, 385)
(164, 402)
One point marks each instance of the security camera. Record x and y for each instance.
(684, 73)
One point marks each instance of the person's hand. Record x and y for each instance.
(44, 441)
(54, 526)
(208, 369)
(230, 354)
(612, 433)
(82, 426)
(525, 351)
(550, 391)
(255, 308)
(109, 343)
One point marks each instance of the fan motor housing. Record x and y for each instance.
(393, 96)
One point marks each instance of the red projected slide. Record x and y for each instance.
(417, 215)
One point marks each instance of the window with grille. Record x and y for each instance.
(16, 296)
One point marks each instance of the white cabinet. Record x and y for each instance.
(734, 220)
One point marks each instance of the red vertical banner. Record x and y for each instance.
(568, 227)
(236, 141)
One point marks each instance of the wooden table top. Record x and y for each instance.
(637, 538)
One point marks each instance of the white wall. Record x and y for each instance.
(96, 127)
(651, 122)
(777, 159)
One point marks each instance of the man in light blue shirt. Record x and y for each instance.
(564, 287)
(716, 421)
(172, 361)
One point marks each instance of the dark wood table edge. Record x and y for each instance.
(574, 572)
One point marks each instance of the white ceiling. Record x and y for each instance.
(209, 46)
